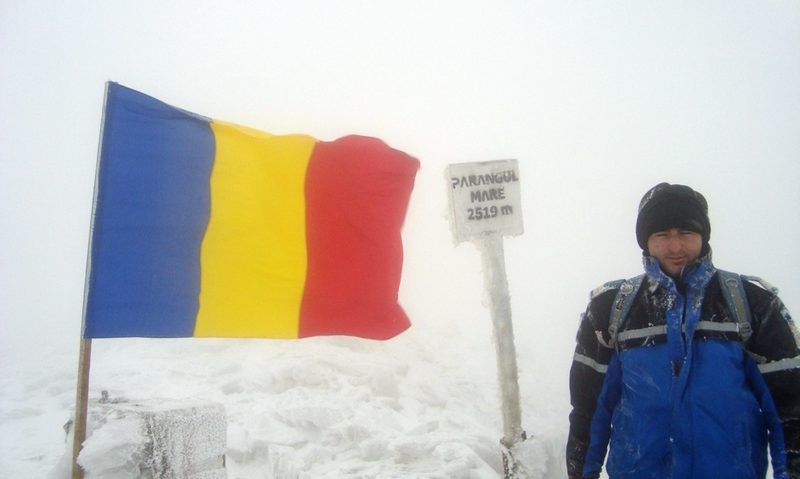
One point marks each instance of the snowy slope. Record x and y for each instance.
(415, 406)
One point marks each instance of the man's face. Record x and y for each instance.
(675, 248)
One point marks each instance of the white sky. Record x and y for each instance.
(597, 100)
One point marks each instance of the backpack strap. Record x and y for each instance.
(762, 283)
(622, 306)
(732, 291)
(736, 299)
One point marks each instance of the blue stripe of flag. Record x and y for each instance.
(151, 214)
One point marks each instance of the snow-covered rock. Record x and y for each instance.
(155, 438)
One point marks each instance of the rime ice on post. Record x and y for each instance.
(484, 207)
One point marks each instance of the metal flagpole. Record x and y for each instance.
(85, 354)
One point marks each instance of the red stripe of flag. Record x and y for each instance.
(357, 191)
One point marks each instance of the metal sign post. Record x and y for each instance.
(484, 206)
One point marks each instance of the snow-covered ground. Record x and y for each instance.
(417, 406)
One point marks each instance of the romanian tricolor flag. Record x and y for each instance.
(206, 228)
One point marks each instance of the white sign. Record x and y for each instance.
(485, 199)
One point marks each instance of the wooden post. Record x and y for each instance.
(494, 273)
(81, 405)
(485, 206)
(85, 354)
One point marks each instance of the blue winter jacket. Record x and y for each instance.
(678, 395)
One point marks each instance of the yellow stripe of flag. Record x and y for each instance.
(253, 256)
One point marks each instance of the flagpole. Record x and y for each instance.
(81, 405)
(85, 352)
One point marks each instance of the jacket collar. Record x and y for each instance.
(695, 275)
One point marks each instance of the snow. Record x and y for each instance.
(114, 451)
(419, 405)
(154, 437)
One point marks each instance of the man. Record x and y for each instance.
(687, 371)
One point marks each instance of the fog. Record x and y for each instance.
(598, 101)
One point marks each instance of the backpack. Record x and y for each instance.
(732, 290)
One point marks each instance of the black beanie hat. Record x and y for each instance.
(667, 206)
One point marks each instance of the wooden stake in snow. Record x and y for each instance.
(484, 207)
(494, 274)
